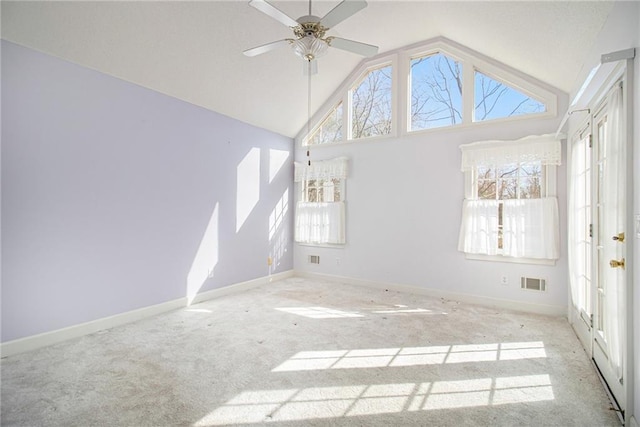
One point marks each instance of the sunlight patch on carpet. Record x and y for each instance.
(332, 402)
(412, 356)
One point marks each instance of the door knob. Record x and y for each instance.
(614, 263)
(619, 237)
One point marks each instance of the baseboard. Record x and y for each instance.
(34, 342)
(239, 287)
(44, 339)
(549, 310)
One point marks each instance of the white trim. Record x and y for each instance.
(33, 342)
(549, 310)
(500, 258)
(239, 287)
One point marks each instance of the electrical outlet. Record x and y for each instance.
(337, 261)
(504, 280)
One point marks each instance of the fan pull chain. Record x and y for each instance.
(309, 110)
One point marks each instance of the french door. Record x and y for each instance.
(609, 328)
(598, 240)
(581, 236)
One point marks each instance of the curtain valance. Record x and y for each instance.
(544, 148)
(325, 169)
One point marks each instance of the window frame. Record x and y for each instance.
(400, 60)
(521, 87)
(408, 91)
(356, 84)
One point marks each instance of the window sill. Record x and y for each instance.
(323, 245)
(499, 258)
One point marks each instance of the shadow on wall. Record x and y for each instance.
(252, 182)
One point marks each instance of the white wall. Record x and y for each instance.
(622, 31)
(404, 199)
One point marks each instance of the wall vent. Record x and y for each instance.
(533, 284)
(314, 259)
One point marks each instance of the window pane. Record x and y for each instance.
(494, 100)
(313, 195)
(436, 92)
(371, 101)
(486, 173)
(507, 171)
(336, 190)
(330, 130)
(507, 189)
(486, 189)
(530, 180)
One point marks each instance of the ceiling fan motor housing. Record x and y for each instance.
(309, 26)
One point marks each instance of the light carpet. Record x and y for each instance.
(301, 352)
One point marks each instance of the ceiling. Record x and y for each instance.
(192, 50)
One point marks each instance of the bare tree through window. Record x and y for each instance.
(436, 92)
(509, 181)
(494, 100)
(371, 104)
(330, 130)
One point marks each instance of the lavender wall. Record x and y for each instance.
(115, 197)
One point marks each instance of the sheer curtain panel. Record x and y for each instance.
(614, 196)
(530, 228)
(320, 223)
(479, 230)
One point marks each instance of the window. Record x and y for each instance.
(508, 182)
(371, 104)
(510, 208)
(495, 100)
(320, 213)
(436, 85)
(436, 92)
(330, 130)
(322, 190)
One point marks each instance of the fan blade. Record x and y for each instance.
(273, 12)
(353, 46)
(341, 12)
(310, 67)
(258, 50)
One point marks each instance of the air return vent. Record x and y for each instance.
(533, 284)
(314, 259)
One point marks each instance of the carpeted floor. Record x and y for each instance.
(306, 353)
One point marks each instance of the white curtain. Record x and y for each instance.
(320, 223)
(530, 228)
(479, 229)
(536, 148)
(614, 196)
(323, 169)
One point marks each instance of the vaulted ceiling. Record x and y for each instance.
(192, 50)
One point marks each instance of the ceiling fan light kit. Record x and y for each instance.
(310, 42)
(309, 47)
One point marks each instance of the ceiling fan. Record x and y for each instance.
(310, 42)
